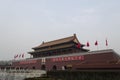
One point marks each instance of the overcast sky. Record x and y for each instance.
(26, 23)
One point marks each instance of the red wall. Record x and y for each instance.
(84, 61)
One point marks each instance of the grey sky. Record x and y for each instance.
(26, 23)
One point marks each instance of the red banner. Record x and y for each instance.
(70, 58)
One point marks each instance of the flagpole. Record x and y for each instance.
(106, 47)
(106, 43)
(97, 47)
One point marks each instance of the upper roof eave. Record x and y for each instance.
(58, 41)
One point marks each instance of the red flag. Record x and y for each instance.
(23, 55)
(16, 56)
(96, 43)
(106, 42)
(88, 44)
(78, 45)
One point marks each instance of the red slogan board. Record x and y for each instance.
(68, 58)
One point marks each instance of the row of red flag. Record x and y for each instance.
(96, 43)
(19, 56)
(88, 44)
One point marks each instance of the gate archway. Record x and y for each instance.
(54, 67)
(43, 67)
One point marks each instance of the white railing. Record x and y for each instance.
(20, 74)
